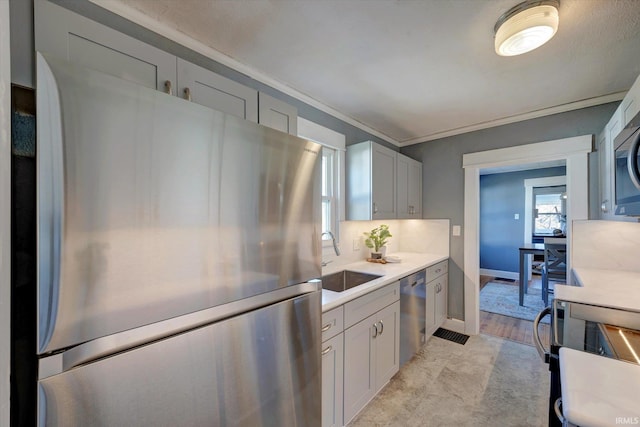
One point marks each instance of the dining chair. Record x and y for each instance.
(554, 268)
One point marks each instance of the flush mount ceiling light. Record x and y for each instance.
(526, 26)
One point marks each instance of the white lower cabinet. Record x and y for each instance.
(371, 357)
(332, 381)
(332, 366)
(437, 284)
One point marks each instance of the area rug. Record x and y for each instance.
(502, 299)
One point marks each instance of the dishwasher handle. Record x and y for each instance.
(543, 352)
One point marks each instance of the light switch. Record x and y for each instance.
(516, 216)
(456, 230)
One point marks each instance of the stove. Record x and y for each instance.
(604, 331)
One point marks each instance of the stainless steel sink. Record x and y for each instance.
(346, 279)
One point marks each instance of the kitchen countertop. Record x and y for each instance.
(390, 272)
(598, 391)
(607, 288)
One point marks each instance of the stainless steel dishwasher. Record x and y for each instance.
(413, 294)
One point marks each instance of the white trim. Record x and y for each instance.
(325, 136)
(499, 273)
(574, 150)
(320, 134)
(454, 325)
(598, 100)
(531, 153)
(5, 212)
(146, 21)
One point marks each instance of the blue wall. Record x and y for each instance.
(501, 196)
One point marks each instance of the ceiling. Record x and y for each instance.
(411, 71)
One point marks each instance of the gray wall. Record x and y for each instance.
(23, 62)
(443, 176)
(501, 196)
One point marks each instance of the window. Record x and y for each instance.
(549, 210)
(329, 191)
(333, 150)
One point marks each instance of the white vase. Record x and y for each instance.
(383, 251)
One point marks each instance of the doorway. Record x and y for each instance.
(574, 151)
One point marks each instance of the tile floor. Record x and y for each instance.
(488, 381)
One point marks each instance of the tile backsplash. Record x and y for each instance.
(610, 245)
(411, 235)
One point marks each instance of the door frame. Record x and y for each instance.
(574, 151)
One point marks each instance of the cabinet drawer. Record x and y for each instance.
(366, 305)
(332, 323)
(437, 270)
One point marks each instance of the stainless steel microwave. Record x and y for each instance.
(627, 169)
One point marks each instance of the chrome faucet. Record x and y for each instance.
(333, 240)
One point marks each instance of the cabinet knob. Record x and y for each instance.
(167, 87)
(603, 206)
(187, 94)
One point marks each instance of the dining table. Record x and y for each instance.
(525, 250)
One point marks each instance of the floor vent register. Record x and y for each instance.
(456, 337)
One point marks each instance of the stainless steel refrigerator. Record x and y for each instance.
(176, 251)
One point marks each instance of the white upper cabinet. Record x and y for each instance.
(277, 114)
(207, 88)
(409, 187)
(606, 163)
(67, 35)
(382, 184)
(371, 182)
(631, 103)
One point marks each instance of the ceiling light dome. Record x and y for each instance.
(526, 26)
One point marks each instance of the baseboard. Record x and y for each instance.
(514, 275)
(454, 325)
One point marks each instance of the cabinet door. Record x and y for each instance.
(441, 300)
(387, 344)
(630, 105)
(332, 381)
(383, 182)
(604, 174)
(67, 35)
(214, 91)
(277, 114)
(430, 322)
(402, 186)
(359, 381)
(414, 191)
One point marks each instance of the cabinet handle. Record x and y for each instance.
(326, 327)
(375, 208)
(375, 330)
(326, 350)
(438, 270)
(167, 87)
(381, 327)
(187, 94)
(603, 206)
(414, 283)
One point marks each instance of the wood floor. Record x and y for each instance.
(510, 328)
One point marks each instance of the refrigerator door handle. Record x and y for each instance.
(116, 343)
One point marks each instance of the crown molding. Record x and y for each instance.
(590, 102)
